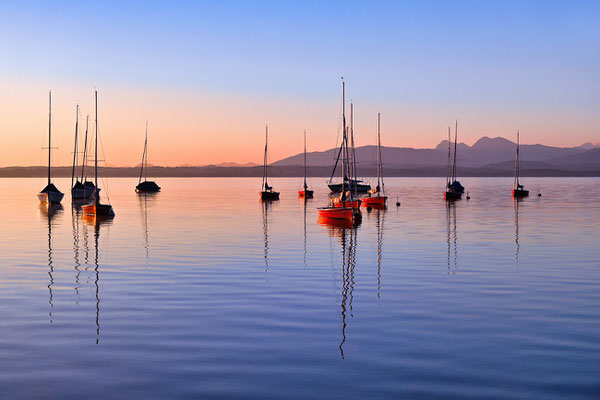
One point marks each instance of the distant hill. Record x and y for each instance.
(483, 153)
(486, 157)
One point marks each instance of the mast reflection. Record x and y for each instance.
(516, 201)
(265, 209)
(144, 200)
(380, 220)
(452, 237)
(346, 231)
(50, 212)
(97, 222)
(75, 218)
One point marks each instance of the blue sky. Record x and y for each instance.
(532, 61)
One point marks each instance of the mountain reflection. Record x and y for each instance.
(452, 236)
(50, 212)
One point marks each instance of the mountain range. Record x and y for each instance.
(497, 153)
(486, 157)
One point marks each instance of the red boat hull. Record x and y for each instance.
(347, 203)
(336, 212)
(375, 201)
(335, 224)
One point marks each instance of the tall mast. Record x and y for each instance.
(265, 183)
(517, 166)
(378, 151)
(84, 159)
(49, 132)
(353, 167)
(448, 165)
(75, 146)
(144, 157)
(455, 143)
(146, 151)
(305, 186)
(96, 149)
(343, 197)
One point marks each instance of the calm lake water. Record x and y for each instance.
(203, 291)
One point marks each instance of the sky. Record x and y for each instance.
(208, 76)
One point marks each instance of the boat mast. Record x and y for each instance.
(455, 143)
(265, 183)
(353, 166)
(517, 166)
(144, 155)
(75, 146)
(379, 166)
(49, 131)
(305, 186)
(448, 164)
(344, 141)
(97, 197)
(146, 151)
(84, 159)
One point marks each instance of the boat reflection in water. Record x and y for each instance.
(97, 221)
(452, 237)
(266, 205)
(145, 200)
(516, 201)
(51, 212)
(346, 231)
(379, 214)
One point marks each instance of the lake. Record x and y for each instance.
(202, 291)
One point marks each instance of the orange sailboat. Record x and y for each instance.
(376, 196)
(96, 208)
(342, 207)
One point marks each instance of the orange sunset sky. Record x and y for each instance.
(209, 77)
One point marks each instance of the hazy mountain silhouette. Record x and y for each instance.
(486, 157)
(485, 152)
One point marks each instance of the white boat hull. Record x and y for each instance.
(50, 197)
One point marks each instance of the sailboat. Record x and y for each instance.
(454, 190)
(50, 194)
(518, 190)
(351, 198)
(377, 197)
(351, 183)
(267, 192)
(81, 189)
(342, 207)
(146, 186)
(96, 208)
(305, 192)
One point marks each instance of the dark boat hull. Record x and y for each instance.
(147, 187)
(520, 192)
(99, 210)
(307, 194)
(358, 187)
(269, 195)
(450, 195)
